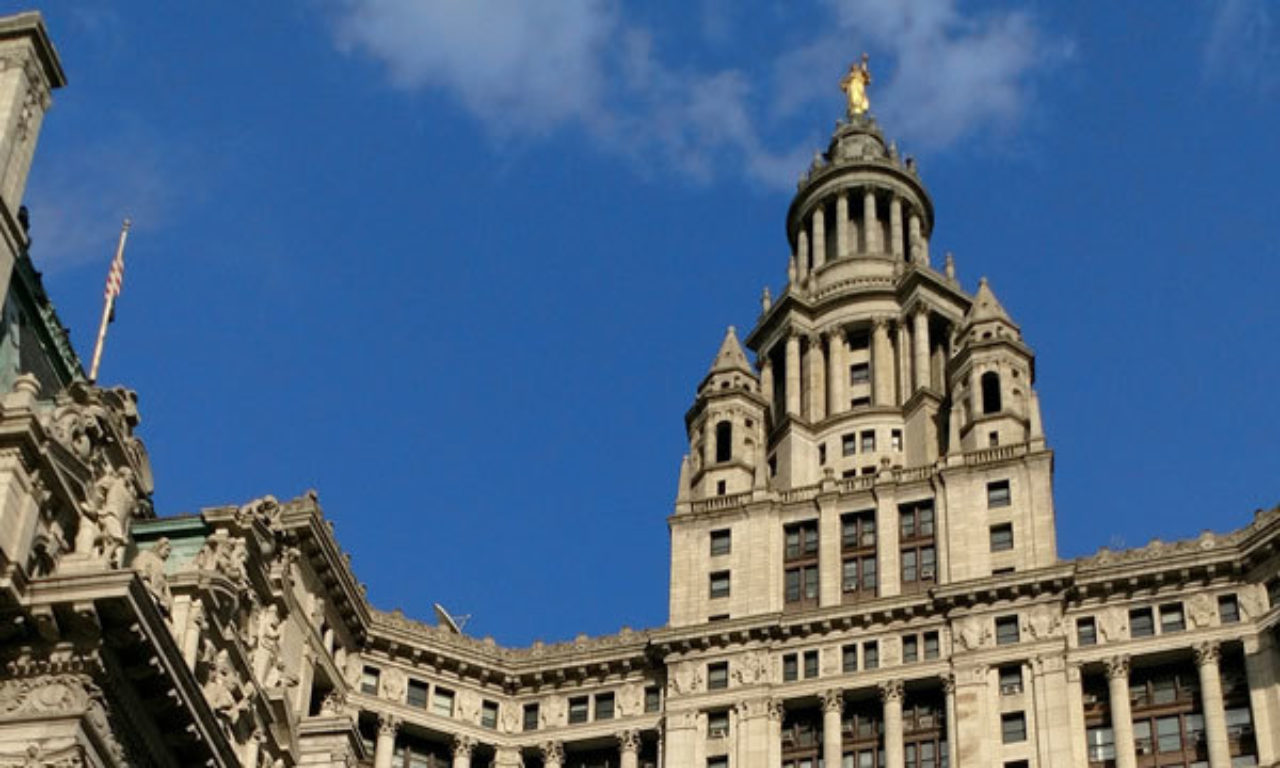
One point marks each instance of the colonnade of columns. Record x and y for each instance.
(816, 376)
(891, 694)
(903, 239)
(552, 751)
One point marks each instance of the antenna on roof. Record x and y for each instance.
(448, 622)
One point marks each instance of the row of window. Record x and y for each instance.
(853, 443)
(1143, 621)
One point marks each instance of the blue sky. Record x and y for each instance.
(459, 266)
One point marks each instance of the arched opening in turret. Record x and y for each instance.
(724, 441)
(991, 392)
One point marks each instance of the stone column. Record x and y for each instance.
(507, 757)
(891, 695)
(552, 754)
(842, 225)
(708, 442)
(1121, 712)
(766, 382)
(463, 746)
(949, 694)
(819, 243)
(895, 226)
(904, 363)
(802, 254)
(832, 715)
(836, 372)
(252, 748)
(793, 375)
(629, 749)
(817, 392)
(196, 622)
(920, 345)
(1260, 670)
(870, 225)
(385, 747)
(776, 713)
(1215, 715)
(916, 238)
(881, 362)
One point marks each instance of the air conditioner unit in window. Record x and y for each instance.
(1144, 749)
(719, 733)
(1091, 698)
(926, 573)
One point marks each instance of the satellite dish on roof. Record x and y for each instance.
(448, 622)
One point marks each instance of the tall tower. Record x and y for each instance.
(900, 442)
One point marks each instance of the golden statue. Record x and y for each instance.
(855, 85)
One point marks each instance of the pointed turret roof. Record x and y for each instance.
(986, 306)
(731, 357)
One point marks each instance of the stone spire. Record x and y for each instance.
(731, 357)
(986, 306)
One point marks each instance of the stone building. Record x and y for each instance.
(863, 568)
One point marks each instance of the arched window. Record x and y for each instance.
(990, 392)
(724, 441)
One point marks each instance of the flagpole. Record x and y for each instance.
(107, 307)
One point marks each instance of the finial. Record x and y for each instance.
(855, 85)
(951, 266)
(766, 300)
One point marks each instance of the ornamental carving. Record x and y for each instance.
(35, 756)
(687, 678)
(105, 516)
(388, 725)
(832, 700)
(265, 511)
(552, 752)
(510, 718)
(463, 746)
(552, 712)
(1253, 604)
(150, 565)
(971, 632)
(224, 691)
(469, 706)
(1117, 667)
(1206, 654)
(629, 741)
(226, 554)
(1042, 622)
(264, 640)
(1200, 610)
(47, 694)
(890, 690)
(631, 700)
(752, 668)
(1112, 625)
(394, 684)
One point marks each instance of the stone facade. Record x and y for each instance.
(863, 569)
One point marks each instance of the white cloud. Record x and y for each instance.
(543, 66)
(1243, 45)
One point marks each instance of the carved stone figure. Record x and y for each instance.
(150, 565)
(393, 684)
(1043, 622)
(971, 632)
(687, 678)
(552, 712)
(223, 691)
(265, 642)
(265, 510)
(1200, 610)
(105, 516)
(1112, 626)
(855, 85)
(631, 700)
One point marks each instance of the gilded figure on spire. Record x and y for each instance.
(855, 85)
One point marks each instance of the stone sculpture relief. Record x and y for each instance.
(971, 632)
(1043, 622)
(1112, 625)
(1200, 610)
(687, 678)
(150, 565)
(752, 668)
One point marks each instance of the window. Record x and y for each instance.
(822, 453)
(993, 438)
(859, 574)
(652, 698)
(1006, 630)
(895, 439)
(858, 529)
(870, 655)
(718, 675)
(990, 383)
(604, 706)
(718, 617)
(417, 695)
(931, 646)
(1002, 537)
(849, 658)
(1010, 680)
(578, 709)
(860, 402)
(1013, 727)
(1171, 618)
(489, 714)
(916, 519)
(442, 702)
(790, 668)
(810, 664)
(910, 649)
(802, 584)
(802, 540)
(1141, 623)
(719, 584)
(919, 564)
(1086, 631)
(720, 487)
(859, 373)
(1102, 744)
(1228, 609)
(718, 762)
(724, 441)
(531, 717)
(369, 681)
(718, 723)
(868, 441)
(998, 494)
(721, 542)
(849, 444)
(801, 552)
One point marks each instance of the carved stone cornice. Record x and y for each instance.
(832, 700)
(629, 741)
(463, 746)
(1117, 667)
(1207, 653)
(552, 751)
(388, 725)
(890, 690)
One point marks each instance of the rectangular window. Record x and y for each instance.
(870, 655)
(721, 542)
(604, 706)
(578, 709)
(895, 439)
(1086, 631)
(822, 453)
(849, 444)
(417, 695)
(718, 617)
(531, 717)
(910, 649)
(858, 529)
(915, 520)
(369, 681)
(442, 702)
(1002, 537)
(718, 762)
(1013, 728)
(489, 714)
(849, 658)
(718, 723)
(801, 540)
(1228, 609)
(790, 667)
(931, 646)
(998, 494)
(1010, 680)
(860, 402)
(868, 441)
(859, 373)
(919, 564)
(1006, 630)
(1101, 743)
(810, 664)
(802, 584)
(1141, 623)
(719, 584)
(652, 698)
(1171, 618)
(718, 675)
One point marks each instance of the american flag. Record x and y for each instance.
(115, 277)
